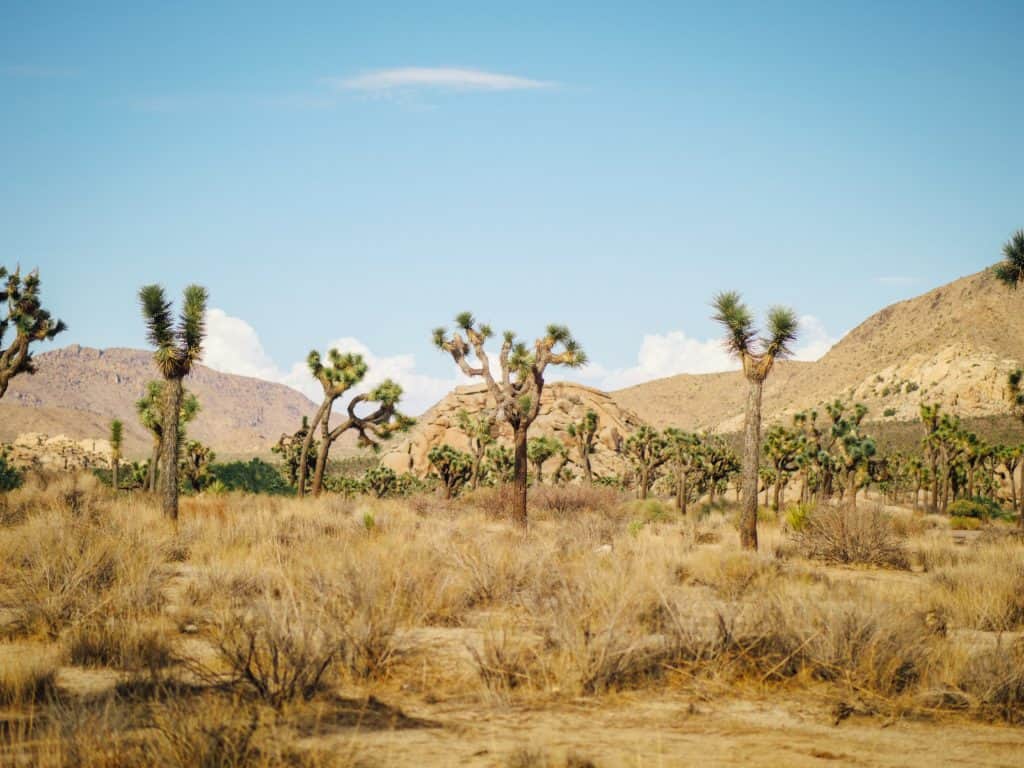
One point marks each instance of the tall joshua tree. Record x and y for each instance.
(647, 450)
(758, 355)
(582, 433)
(517, 387)
(30, 321)
(150, 410)
(178, 347)
(116, 439)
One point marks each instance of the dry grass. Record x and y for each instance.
(286, 607)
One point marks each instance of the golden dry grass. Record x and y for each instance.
(267, 631)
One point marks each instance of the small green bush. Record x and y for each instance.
(797, 515)
(979, 508)
(10, 477)
(964, 523)
(255, 476)
(889, 412)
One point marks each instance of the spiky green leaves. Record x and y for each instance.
(1010, 270)
(177, 348)
(31, 323)
(387, 393)
(343, 371)
(735, 317)
(116, 434)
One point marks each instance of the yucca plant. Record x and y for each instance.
(516, 389)
(31, 323)
(685, 453)
(179, 346)
(343, 372)
(150, 410)
(583, 433)
(758, 354)
(116, 439)
(538, 451)
(1010, 270)
(480, 429)
(646, 450)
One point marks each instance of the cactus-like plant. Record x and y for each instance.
(539, 450)
(647, 450)
(453, 467)
(501, 464)
(758, 356)
(583, 433)
(150, 410)
(516, 389)
(178, 348)
(116, 441)
(782, 446)
(480, 429)
(31, 323)
(289, 448)
(685, 452)
(196, 459)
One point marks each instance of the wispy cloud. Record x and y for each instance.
(438, 78)
(896, 280)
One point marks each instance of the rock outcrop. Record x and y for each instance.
(561, 404)
(60, 452)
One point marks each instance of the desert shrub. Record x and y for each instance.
(381, 481)
(797, 516)
(280, 648)
(889, 411)
(27, 679)
(120, 642)
(979, 508)
(863, 535)
(68, 568)
(494, 501)
(731, 574)
(254, 476)
(10, 477)
(650, 511)
(965, 523)
(984, 590)
(563, 500)
(995, 679)
(504, 661)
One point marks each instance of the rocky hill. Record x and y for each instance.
(78, 390)
(561, 404)
(952, 345)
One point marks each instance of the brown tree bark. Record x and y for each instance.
(682, 491)
(519, 478)
(751, 460)
(115, 472)
(307, 444)
(173, 393)
(321, 456)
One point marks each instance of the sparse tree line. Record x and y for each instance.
(823, 457)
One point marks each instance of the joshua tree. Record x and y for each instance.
(782, 446)
(30, 321)
(1010, 270)
(583, 433)
(195, 464)
(150, 410)
(718, 463)
(178, 347)
(289, 448)
(684, 450)
(479, 429)
(371, 428)
(646, 450)
(501, 464)
(116, 438)
(853, 449)
(517, 388)
(343, 373)
(757, 355)
(453, 467)
(562, 473)
(539, 450)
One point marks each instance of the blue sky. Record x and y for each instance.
(363, 171)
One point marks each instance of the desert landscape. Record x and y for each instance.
(511, 386)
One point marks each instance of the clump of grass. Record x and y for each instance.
(851, 535)
(122, 643)
(27, 679)
(984, 591)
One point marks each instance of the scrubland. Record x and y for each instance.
(266, 631)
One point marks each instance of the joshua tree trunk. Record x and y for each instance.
(645, 480)
(154, 459)
(307, 444)
(115, 471)
(538, 472)
(681, 493)
(321, 457)
(588, 473)
(169, 449)
(519, 479)
(751, 459)
(777, 494)
(478, 458)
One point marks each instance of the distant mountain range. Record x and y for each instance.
(953, 345)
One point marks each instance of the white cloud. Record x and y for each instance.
(448, 78)
(233, 346)
(674, 352)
